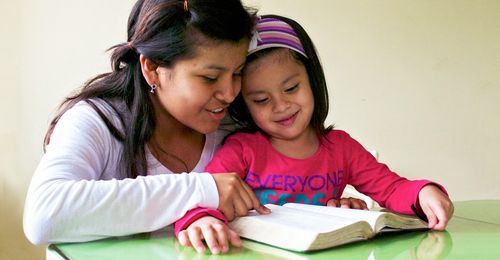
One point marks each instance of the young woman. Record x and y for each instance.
(112, 151)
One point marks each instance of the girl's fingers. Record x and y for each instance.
(431, 218)
(208, 232)
(442, 218)
(332, 203)
(352, 203)
(211, 238)
(234, 238)
(358, 204)
(184, 238)
(196, 238)
(345, 203)
(222, 234)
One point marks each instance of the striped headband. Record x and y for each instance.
(272, 32)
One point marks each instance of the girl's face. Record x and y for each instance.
(195, 92)
(278, 95)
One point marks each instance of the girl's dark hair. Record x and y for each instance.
(164, 32)
(238, 109)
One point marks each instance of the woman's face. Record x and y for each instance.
(196, 92)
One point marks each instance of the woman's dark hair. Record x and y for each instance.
(238, 109)
(164, 31)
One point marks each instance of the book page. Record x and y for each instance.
(378, 220)
(390, 222)
(354, 214)
(296, 217)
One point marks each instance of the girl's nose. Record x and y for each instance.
(280, 104)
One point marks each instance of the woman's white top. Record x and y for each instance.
(78, 192)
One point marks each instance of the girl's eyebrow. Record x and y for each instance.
(289, 78)
(255, 92)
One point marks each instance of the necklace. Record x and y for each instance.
(177, 158)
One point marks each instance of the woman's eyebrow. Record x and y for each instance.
(215, 67)
(222, 68)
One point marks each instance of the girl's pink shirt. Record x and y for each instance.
(340, 160)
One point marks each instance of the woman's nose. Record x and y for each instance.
(228, 90)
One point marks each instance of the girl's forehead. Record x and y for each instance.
(278, 56)
(273, 71)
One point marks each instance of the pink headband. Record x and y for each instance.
(272, 32)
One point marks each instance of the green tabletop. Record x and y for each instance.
(481, 210)
(470, 235)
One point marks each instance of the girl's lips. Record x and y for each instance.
(288, 121)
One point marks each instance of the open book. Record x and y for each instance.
(301, 227)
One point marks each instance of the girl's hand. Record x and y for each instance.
(350, 203)
(216, 234)
(236, 197)
(436, 206)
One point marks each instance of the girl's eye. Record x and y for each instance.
(292, 89)
(260, 100)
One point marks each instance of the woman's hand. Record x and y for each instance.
(436, 206)
(350, 203)
(216, 234)
(235, 196)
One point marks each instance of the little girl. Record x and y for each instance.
(286, 154)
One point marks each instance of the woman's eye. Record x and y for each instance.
(209, 78)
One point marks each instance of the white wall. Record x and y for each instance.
(11, 182)
(417, 80)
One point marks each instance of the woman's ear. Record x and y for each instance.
(148, 68)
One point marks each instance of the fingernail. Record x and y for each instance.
(215, 250)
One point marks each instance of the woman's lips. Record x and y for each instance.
(218, 113)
